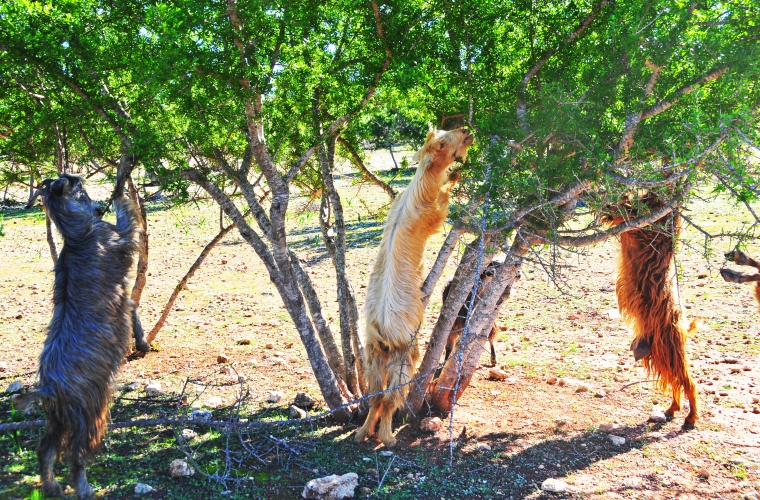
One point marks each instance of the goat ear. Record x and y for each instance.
(58, 185)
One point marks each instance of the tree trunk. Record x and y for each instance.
(190, 272)
(440, 262)
(50, 238)
(349, 311)
(283, 277)
(461, 365)
(142, 261)
(462, 283)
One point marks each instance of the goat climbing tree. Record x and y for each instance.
(573, 105)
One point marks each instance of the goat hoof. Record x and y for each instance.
(143, 346)
(688, 426)
(85, 492)
(52, 489)
(360, 436)
(669, 416)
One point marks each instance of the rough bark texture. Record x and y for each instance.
(435, 272)
(460, 286)
(348, 310)
(50, 238)
(460, 367)
(283, 277)
(142, 261)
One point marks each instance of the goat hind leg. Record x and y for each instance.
(47, 454)
(385, 432)
(691, 394)
(78, 477)
(369, 424)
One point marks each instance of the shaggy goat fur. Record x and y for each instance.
(647, 294)
(742, 259)
(456, 330)
(91, 328)
(393, 308)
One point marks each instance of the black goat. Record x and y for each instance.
(90, 332)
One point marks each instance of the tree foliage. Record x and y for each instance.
(574, 103)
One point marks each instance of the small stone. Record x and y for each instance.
(657, 416)
(609, 427)
(141, 488)
(561, 382)
(331, 487)
(279, 354)
(551, 380)
(731, 361)
(19, 316)
(613, 313)
(251, 362)
(607, 288)
(222, 358)
(396, 470)
(304, 400)
(364, 490)
(225, 370)
(274, 396)
(723, 393)
(703, 473)
(180, 468)
(600, 394)
(431, 424)
(497, 374)
(482, 447)
(371, 472)
(244, 341)
(296, 413)
(14, 387)
(188, 434)
(617, 440)
(738, 461)
(582, 387)
(755, 410)
(618, 378)
(562, 421)
(270, 345)
(153, 389)
(755, 400)
(554, 485)
(200, 415)
(736, 369)
(746, 368)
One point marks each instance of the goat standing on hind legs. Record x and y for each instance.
(91, 328)
(647, 293)
(393, 307)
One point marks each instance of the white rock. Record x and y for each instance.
(141, 488)
(153, 389)
(657, 416)
(188, 434)
(554, 485)
(200, 415)
(179, 468)
(607, 288)
(483, 447)
(331, 487)
(16, 386)
(431, 424)
(274, 396)
(386, 453)
(617, 440)
(600, 394)
(497, 374)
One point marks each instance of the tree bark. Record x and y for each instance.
(50, 238)
(348, 310)
(440, 262)
(461, 365)
(282, 275)
(462, 283)
(141, 276)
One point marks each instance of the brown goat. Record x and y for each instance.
(742, 259)
(456, 330)
(648, 301)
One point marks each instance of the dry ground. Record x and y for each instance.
(535, 430)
